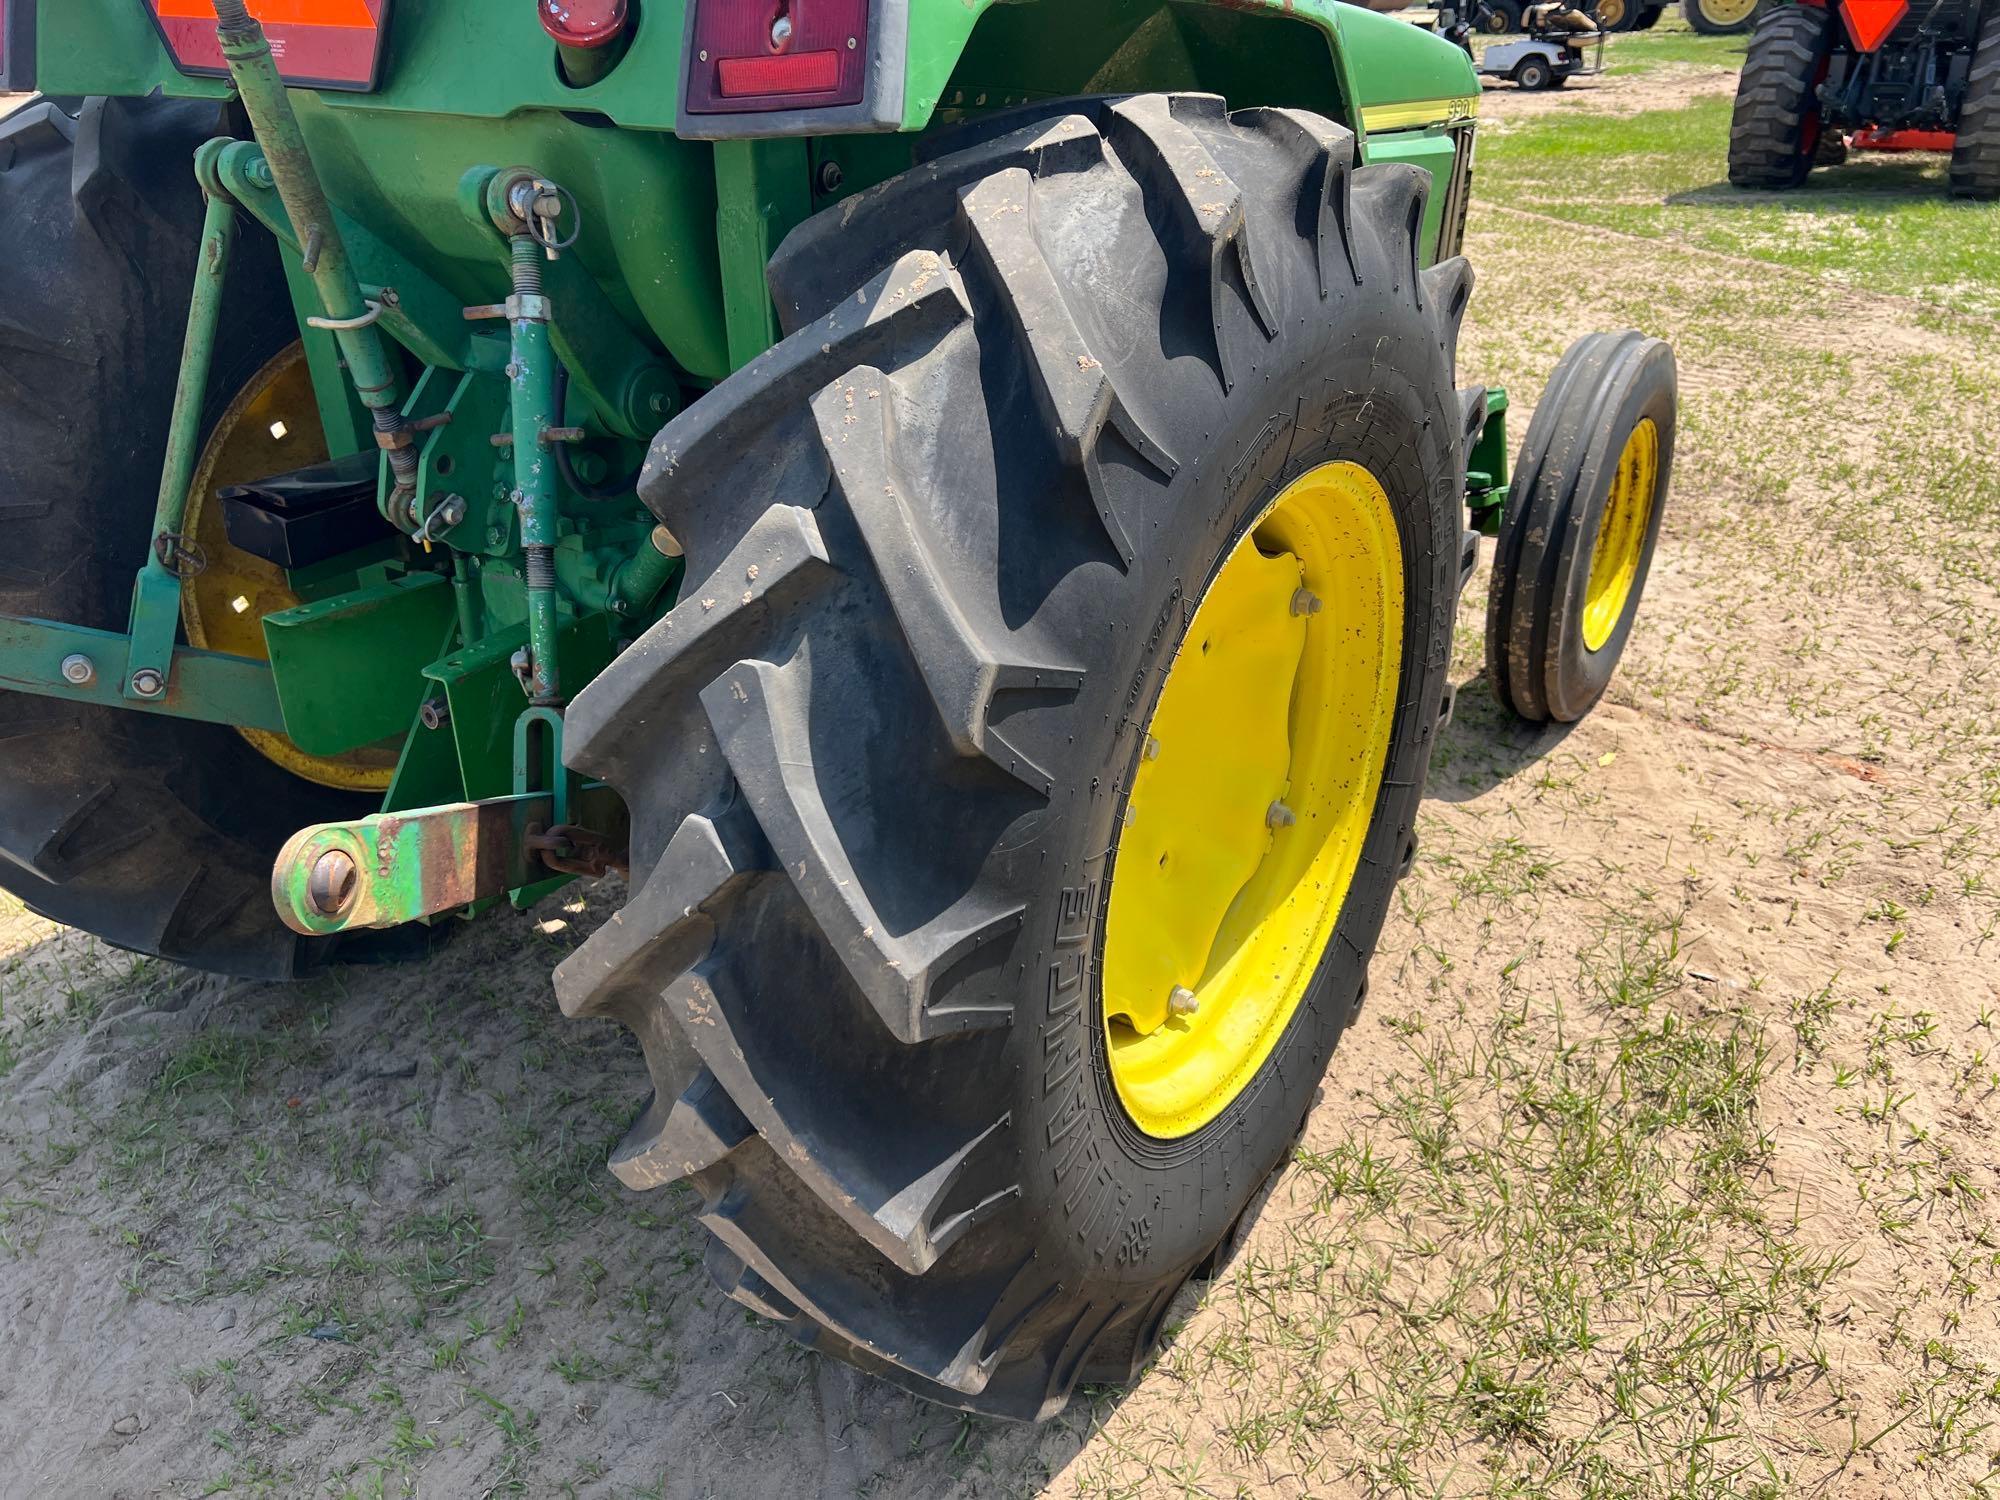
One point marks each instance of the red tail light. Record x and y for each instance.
(751, 55)
(587, 24)
(329, 44)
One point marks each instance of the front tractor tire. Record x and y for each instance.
(1082, 561)
(1581, 524)
(156, 834)
(1775, 129)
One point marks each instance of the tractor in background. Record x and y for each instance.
(1824, 77)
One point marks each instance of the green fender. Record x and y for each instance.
(1376, 71)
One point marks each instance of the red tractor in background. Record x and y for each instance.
(1827, 76)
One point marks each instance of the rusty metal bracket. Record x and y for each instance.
(570, 850)
(402, 867)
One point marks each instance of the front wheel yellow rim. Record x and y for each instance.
(1262, 765)
(1621, 535)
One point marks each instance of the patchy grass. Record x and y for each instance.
(1669, 43)
(1879, 222)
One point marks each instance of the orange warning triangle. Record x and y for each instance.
(1870, 21)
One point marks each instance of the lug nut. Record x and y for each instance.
(1182, 1001)
(330, 888)
(148, 683)
(1280, 816)
(1306, 602)
(79, 670)
(1152, 750)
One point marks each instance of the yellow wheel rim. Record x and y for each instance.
(271, 427)
(1621, 535)
(1727, 12)
(1610, 13)
(1255, 792)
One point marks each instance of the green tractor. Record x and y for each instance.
(964, 520)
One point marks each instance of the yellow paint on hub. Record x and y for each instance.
(272, 427)
(1263, 762)
(1728, 12)
(1621, 535)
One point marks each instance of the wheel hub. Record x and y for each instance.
(1621, 535)
(1254, 793)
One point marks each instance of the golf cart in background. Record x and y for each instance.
(1563, 41)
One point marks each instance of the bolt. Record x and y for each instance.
(79, 670)
(1306, 602)
(1280, 816)
(832, 177)
(1152, 750)
(330, 888)
(435, 714)
(147, 683)
(259, 173)
(1182, 1001)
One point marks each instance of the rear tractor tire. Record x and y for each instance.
(1774, 132)
(1975, 155)
(1582, 520)
(1049, 712)
(156, 834)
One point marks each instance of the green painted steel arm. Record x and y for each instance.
(88, 666)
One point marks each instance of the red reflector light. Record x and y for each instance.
(793, 73)
(329, 44)
(1869, 22)
(765, 55)
(587, 24)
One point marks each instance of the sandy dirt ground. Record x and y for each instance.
(1661, 1162)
